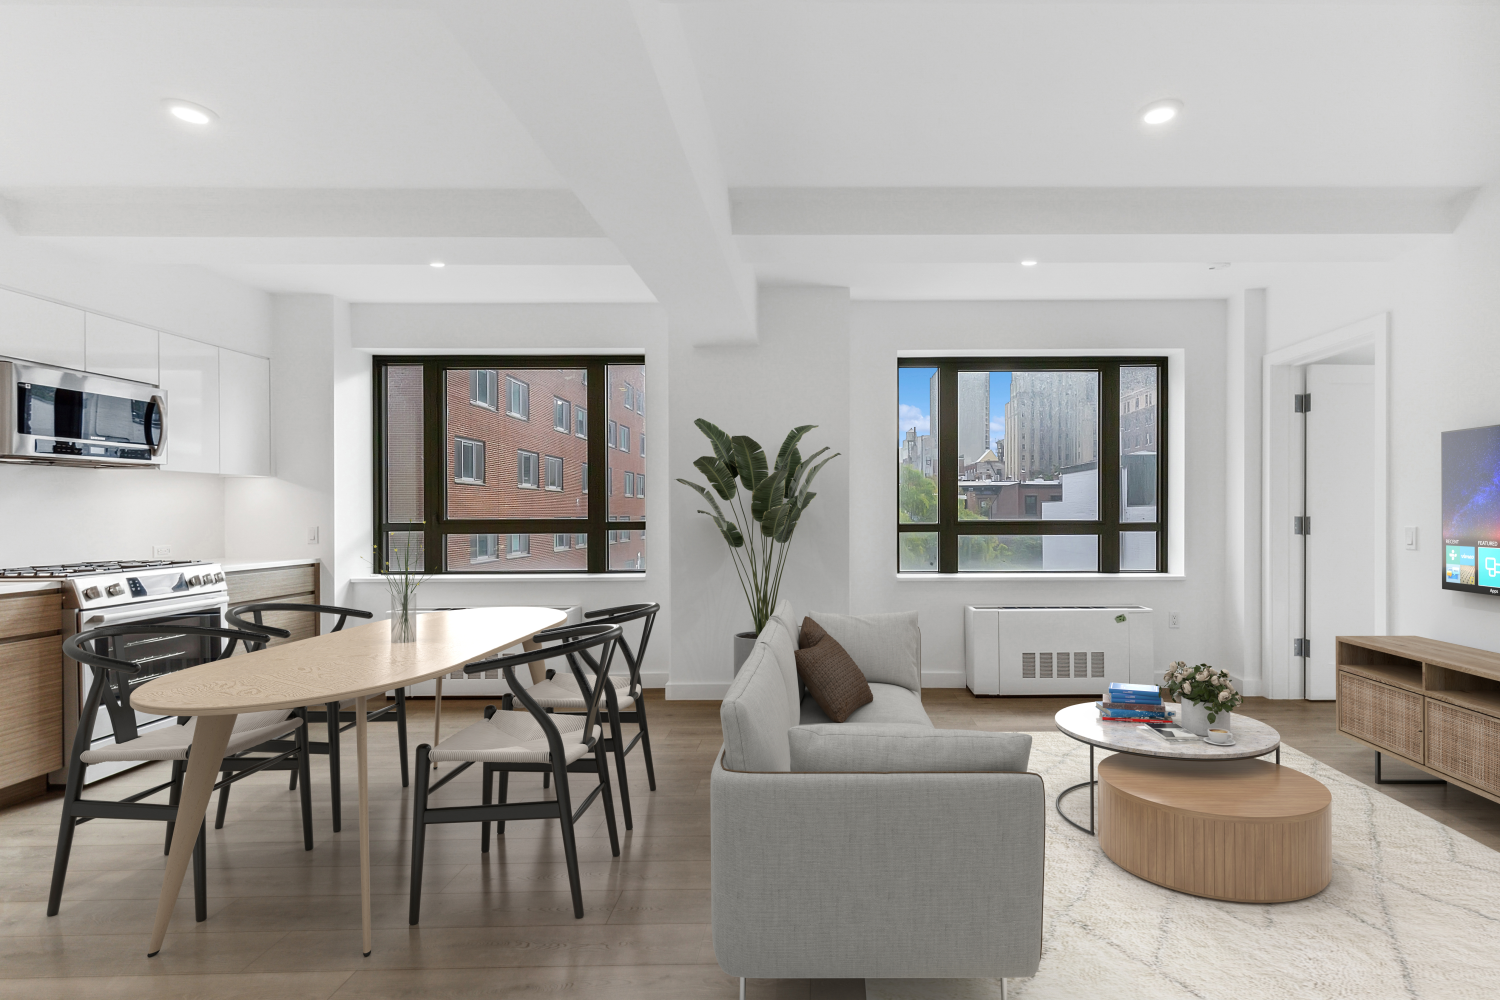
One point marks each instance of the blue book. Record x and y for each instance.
(1142, 694)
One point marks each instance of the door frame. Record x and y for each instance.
(1282, 377)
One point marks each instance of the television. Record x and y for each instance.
(1471, 510)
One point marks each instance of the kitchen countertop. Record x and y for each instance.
(25, 586)
(241, 567)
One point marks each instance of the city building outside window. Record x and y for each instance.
(629, 398)
(526, 470)
(482, 388)
(560, 416)
(624, 438)
(517, 398)
(630, 484)
(554, 473)
(518, 546)
(560, 542)
(483, 548)
(1035, 464)
(468, 460)
(580, 422)
(611, 439)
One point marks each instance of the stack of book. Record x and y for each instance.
(1133, 703)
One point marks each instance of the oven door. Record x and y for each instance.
(157, 655)
(69, 417)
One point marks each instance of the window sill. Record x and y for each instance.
(1038, 577)
(613, 576)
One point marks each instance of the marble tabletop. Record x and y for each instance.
(1251, 738)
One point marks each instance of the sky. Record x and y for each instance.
(912, 401)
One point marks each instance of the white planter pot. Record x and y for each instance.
(744, 643)
(1194, 718)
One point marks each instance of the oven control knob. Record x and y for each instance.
(91, 593)
(195, 581)
(114, 590)
(218, 578)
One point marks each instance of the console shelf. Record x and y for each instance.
(1432, 704)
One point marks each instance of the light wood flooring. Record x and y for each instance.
(284, 923)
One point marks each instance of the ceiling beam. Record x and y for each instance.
(606, 89)
(1096, 211)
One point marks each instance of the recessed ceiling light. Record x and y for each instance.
(1028, 263)
(437, 263)
(1161, 112)
(187, 111)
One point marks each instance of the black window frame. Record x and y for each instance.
(436, 440)
(948, 527)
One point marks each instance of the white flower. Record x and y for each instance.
(1223, 695)
(1202, 675)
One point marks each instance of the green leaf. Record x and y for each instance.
(794, 485)
(787, 446)
(723, 449)
(718, 476)
(776, 520)
(771, 490)
(704, 494)
(728, 529)
(749, 460)
(784, 532)
(793, 467)
(807, 483)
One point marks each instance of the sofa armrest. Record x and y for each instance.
(909, 875)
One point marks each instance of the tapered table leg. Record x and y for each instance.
(362, 732)
(437, 717)
(210, 738)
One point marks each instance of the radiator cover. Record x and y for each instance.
(1057, 650)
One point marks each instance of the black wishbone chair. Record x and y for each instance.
(510, 741)
(338, 715)
(113, 681)
(622, 702)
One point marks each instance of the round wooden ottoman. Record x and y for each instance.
(1247, 831)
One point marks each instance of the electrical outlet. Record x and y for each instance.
(1411, 538)
(1174, 619)
(312, 535)
(161, 552)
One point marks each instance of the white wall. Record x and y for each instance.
(1196, 328)
(66, 514)
(798, 373)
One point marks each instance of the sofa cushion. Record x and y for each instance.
(890, 748)
(754, 716)
(888, 648)
(892, 703)
(832, 677)
(782, 639)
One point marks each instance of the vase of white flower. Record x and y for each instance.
(1206, 695)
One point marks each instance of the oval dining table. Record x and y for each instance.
(354, 663)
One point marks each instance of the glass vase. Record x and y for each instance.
(403, 621)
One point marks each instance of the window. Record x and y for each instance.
(447, 509)
(517, 398)
(640, 401)
(468, 461)
(643, 446)
(624, 438)
(483, 548)
(1030, 464)
(526, 470)
(630, 484)
(482, 388)
(629, 397)
(640, 484)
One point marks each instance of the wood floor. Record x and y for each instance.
(284, 923)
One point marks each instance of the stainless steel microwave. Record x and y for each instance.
(56, 416)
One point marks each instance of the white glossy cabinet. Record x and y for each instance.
(123, 350)
(244, 414)
(34, 329)
(190, 374)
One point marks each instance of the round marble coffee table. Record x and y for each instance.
(1082, 723)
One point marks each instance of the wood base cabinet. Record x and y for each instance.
(31, 673)
(1432, 704)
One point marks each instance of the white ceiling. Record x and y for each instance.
(550, 150)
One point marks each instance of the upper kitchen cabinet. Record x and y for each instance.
(190, 374)
(33, 329)
(244, 414)
(123, 350)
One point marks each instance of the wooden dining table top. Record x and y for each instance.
(355, 662)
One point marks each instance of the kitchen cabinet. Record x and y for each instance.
(34, 329)
(190, 374)
(244, 414)
(120, 349)
(31, 665)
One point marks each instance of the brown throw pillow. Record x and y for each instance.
(831, 675)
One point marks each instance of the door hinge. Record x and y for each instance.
(1301, 647)
(1302, 403)
(1302, 525)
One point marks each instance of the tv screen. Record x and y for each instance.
(1471, 510)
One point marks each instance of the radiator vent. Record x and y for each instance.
(1046, 661)
(1028, 666)
(1096, 664)
(1077, 666)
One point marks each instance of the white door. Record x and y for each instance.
(1341, 543)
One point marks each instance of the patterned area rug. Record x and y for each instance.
(1413, 911)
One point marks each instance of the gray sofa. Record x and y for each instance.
(881, 847)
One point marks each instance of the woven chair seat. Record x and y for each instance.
(515, 738)
(561, 693)
(173, 742)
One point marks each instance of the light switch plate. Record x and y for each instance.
(161, 552)
(1411, 538)
(312, 535)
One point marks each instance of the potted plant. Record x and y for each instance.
(1206, 696)
(764, 503)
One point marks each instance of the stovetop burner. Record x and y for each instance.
(66, 570)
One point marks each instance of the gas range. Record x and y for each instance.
(88, 585)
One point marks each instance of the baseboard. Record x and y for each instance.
(943, 679)
(697, 690)
(656, 679)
